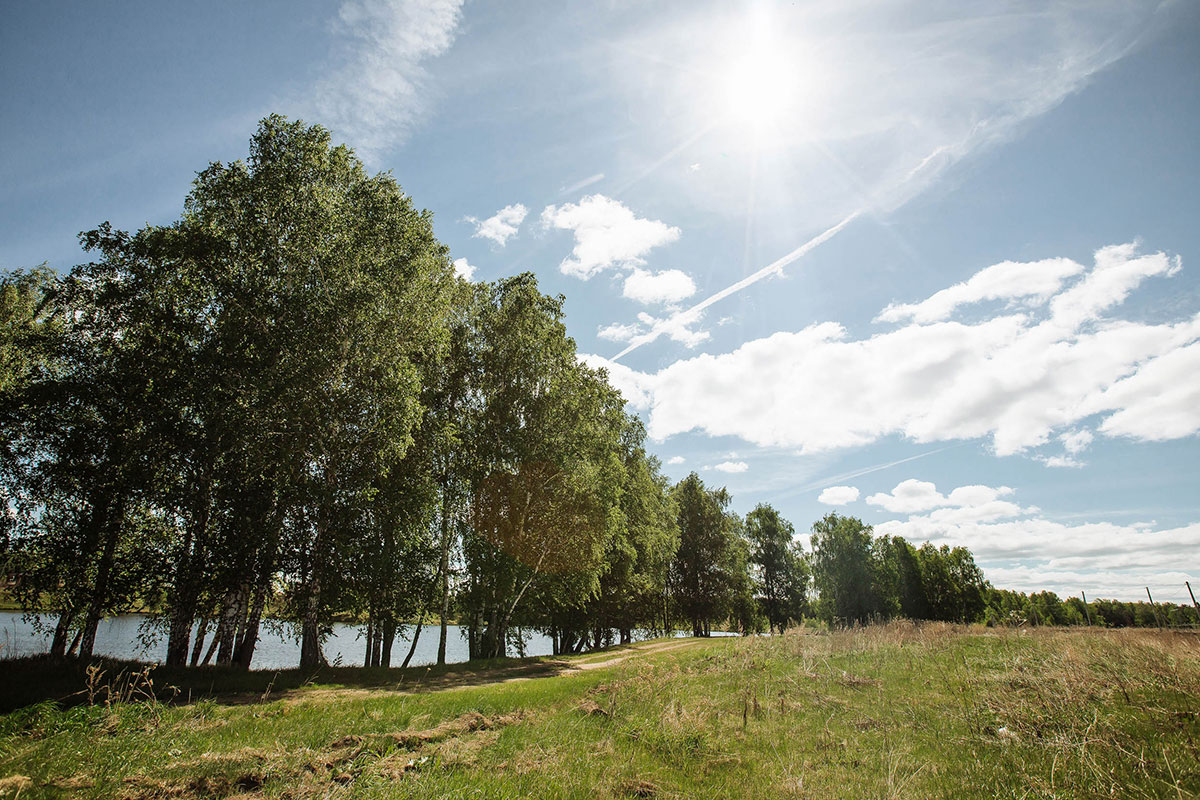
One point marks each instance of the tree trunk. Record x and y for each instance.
(389, 638)
(310, 632)
(62, 628)
(198, 647)
(112, 518)
(444, 573)
(245, 649)
(377, 647)
(243, 654)
(212, 648)
(228, 627)
(187, 589)
(75, 642)
(369, 653)
(412, 648)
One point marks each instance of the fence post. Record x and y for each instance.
(1154, 608)
(1087, 613)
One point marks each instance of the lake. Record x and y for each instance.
(118, 637)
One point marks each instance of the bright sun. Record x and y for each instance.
(759, 88)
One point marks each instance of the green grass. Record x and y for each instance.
(892, 711)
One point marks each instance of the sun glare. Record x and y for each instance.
(759, 88)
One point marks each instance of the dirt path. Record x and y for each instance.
(633, 652)
(456, 680)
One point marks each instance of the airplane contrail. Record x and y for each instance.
(845, 476)
(774, 268)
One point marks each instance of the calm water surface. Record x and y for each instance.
(120, 637)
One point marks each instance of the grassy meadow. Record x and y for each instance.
(895, 711)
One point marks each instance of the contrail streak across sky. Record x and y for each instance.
(774, 268)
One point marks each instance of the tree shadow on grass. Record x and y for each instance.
(68, 682)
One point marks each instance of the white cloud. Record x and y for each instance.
(463, 270)
(667, 286)
(1075, 442)
(1021, 550)
(607, 234)
(730, 466)
(616, 332)
(673, 460)
(1158, 401)
(679, 327)
(1020, 378)
(1036, 282)
(630, 383)
(1061, 461)
(501, 226)
(377, 89)
(838, 495)
(909, 495)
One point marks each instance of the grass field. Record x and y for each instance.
(881, 712)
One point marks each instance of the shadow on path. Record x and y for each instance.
(36, 679)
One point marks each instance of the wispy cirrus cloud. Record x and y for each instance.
(378, 89)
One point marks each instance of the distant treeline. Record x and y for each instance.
(286, 402)
(1005, 607)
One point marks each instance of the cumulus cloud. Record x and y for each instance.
(1034, 282)
(377, 90)
(730, 466)
(679, 327)
(673, 460)
(1020, 377)
(1021, 549)
(838, 495)
(616, 332)
(1074, 442)
(629, 382)
(463, 270)
(607, 235)
(909, 495)
(666, 286)
(1158, 402)
(501, 226)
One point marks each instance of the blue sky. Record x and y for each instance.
(924, 263)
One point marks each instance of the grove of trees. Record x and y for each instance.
(285, 407)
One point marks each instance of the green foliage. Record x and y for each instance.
(846, 572)
(781, 571)
(708, 578)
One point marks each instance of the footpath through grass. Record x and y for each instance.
(892, 711)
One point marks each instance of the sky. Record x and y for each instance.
(932, 264)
